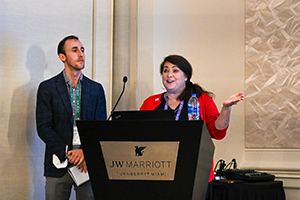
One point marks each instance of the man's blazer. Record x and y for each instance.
(54, 116)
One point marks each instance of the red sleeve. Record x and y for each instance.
(210, 113)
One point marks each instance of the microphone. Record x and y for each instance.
(113, 110)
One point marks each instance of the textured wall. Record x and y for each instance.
(272, 72)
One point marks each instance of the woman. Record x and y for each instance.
(176, 73)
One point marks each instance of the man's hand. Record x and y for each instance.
(76, 157)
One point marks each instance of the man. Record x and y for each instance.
(61, 100)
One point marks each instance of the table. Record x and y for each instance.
(242, 190)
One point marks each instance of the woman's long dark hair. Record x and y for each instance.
(186, 67)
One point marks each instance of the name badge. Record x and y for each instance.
(76, 139)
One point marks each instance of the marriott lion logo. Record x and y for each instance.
(139, 151)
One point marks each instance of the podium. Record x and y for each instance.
(147, 159)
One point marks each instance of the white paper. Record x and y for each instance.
(78, 176)
(56, 162)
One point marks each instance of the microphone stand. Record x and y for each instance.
(113, 110)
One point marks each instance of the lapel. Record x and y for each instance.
(63, 92)
(85, 95)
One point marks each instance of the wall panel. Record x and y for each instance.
(29, 33)
(272, 74)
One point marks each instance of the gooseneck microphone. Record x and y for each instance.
(113, 110)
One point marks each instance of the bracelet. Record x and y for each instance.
(226, 107)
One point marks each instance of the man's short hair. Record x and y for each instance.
(61, 45)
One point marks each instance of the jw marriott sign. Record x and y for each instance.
(140, 160)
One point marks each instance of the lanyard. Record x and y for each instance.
(76, 111)
(179, 110)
